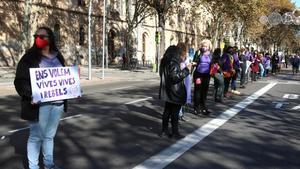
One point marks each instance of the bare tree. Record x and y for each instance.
(163, 9)
(136, 12)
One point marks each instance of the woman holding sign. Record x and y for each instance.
(43, 117)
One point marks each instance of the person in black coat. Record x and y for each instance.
(43, 117)
(217, 74)
(172, 88)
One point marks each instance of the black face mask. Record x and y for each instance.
(202, 50)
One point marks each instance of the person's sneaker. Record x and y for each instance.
(236, 92)
(205, 112)
(52, 167)
(197, 111)
(163, 133)
(177, 136)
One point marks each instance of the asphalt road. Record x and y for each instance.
(115, 126)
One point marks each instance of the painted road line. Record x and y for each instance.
(121, 88)
(13, 131)
(296, 107)
(71, 117)
(140, 100)
(280, 82)
(290, 96)
(17, 130)
(171, 153)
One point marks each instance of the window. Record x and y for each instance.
(81, 35)
(81, 3)
(144, 45)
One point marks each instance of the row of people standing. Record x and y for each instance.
(175, 72)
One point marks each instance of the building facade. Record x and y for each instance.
(69, 21)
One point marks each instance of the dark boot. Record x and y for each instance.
(205, 112)
(164, 133)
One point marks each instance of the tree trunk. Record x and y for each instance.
(161, 23)
(126, 48)
(241, 36)
(216, 34)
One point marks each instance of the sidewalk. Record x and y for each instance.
(111, 74)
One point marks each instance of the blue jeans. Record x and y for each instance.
(41, 135)
(262, 70)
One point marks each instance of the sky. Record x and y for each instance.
(297, 2)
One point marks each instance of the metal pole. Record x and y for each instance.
(90, 41)
(156, 42)
(158, 56)
(103, 37)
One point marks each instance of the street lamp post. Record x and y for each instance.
(90, 43)
(103, 36)
(90, 39)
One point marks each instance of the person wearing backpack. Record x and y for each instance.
(201, 76)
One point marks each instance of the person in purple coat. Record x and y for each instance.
(227, 68)
(236, 67)
(267, 64)
(201, 76)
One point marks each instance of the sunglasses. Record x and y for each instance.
(41, 36)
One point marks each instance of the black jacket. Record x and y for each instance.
(23, 86)
(172, 88)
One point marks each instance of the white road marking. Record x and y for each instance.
(71, 117)
(121, 88)
(140, 100)
(296, 107)
(13, 131)
(171, 153)
(279, 104)
(17, 130)
(280, 82)
(290, 96)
